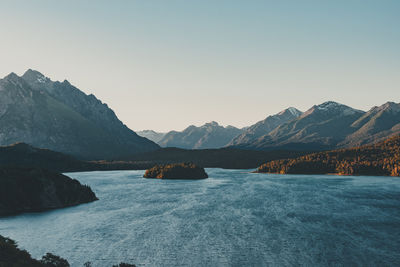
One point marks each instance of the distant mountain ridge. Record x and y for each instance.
(151, 135)
(58, 116)
(329, 125)
(209, 135)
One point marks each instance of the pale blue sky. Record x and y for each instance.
(164, 65)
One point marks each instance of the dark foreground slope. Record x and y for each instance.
(380, 159)
(31, 190)
(12, 256)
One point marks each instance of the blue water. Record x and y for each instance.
(234, 218)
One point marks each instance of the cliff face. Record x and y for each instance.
(31, 190)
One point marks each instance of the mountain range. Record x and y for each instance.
(58, 116)
(329, 125)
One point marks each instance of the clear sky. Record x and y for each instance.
(167, 64)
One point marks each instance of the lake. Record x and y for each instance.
(233, 218)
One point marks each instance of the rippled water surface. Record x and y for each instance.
(234, 218)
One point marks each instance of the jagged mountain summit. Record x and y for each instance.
(60, 117)
(210, 135)
(323, 126)
(265, 126)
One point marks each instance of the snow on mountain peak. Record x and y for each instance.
(333, 107)
(35, 76)
(329, 105)
(294, 111)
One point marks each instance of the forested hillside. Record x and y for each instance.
(380, 159)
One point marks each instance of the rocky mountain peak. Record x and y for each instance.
(14, 79)
(12, 76)
(33, 76)
(332, 107)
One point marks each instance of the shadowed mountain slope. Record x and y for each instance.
(375, 125)
(265, 126)
(58, 116)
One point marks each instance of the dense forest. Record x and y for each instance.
(382, 158)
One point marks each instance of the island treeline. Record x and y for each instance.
(382, 158)
(176, 171)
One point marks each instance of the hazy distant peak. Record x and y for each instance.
(231, 127)
(212, 124)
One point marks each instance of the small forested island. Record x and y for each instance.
(32, 190)
(176, 171)
(381, 159)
